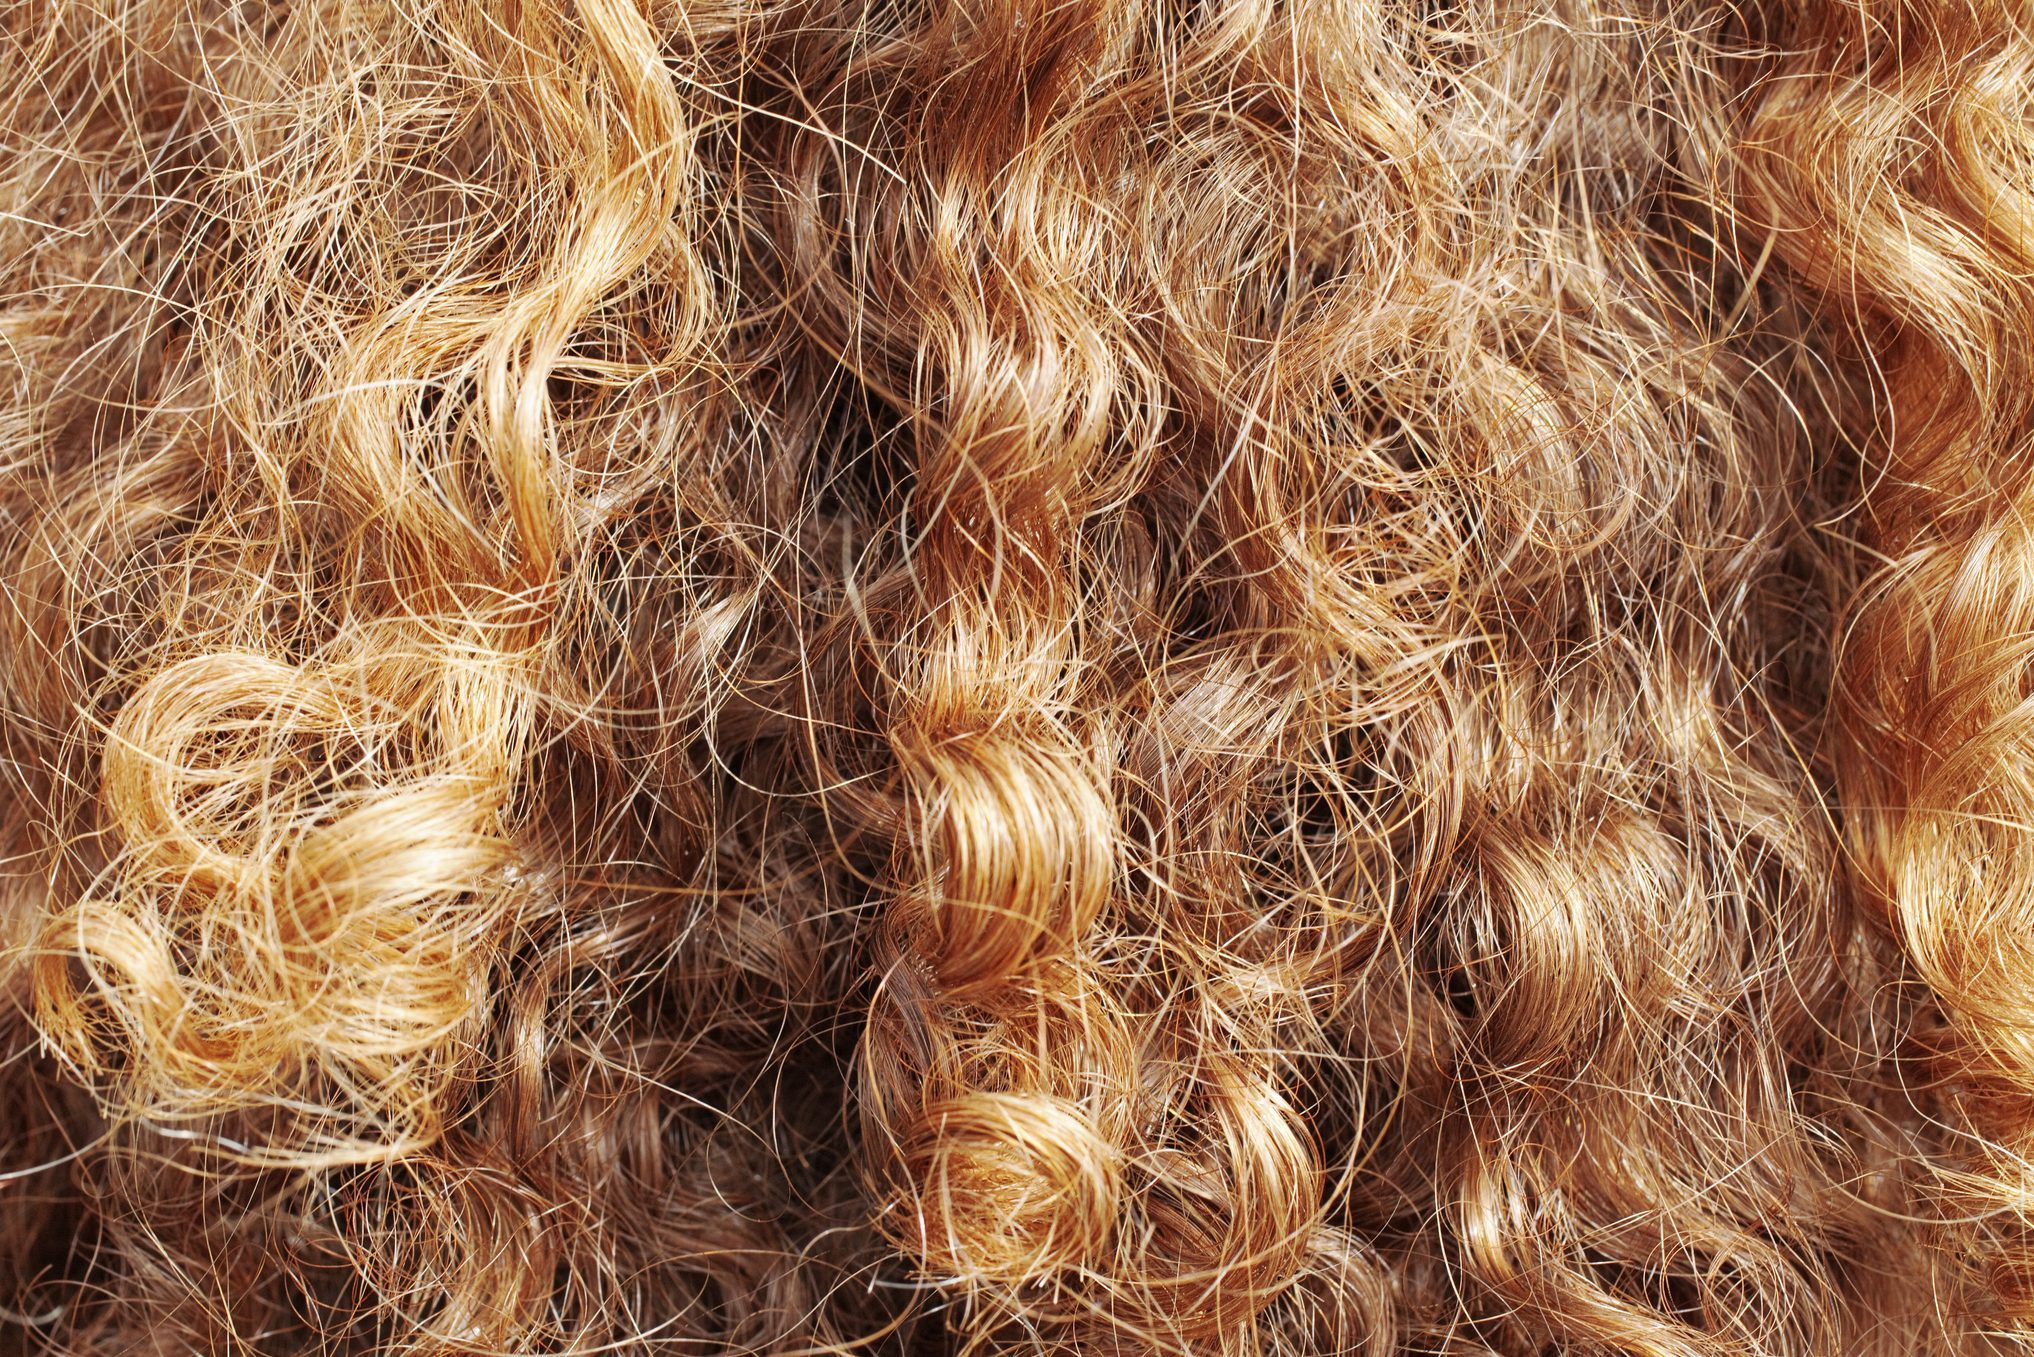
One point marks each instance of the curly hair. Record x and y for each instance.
(1114, 677)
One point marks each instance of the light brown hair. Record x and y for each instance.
(1106, 677)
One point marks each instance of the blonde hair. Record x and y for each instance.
(1102, 677)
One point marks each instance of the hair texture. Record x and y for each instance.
(1246, 677)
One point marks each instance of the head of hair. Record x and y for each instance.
(1112, 677)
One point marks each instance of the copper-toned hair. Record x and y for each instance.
(1265, 677)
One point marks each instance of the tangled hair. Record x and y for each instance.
(1102, 677)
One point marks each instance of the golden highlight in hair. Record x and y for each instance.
(1108, 677)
